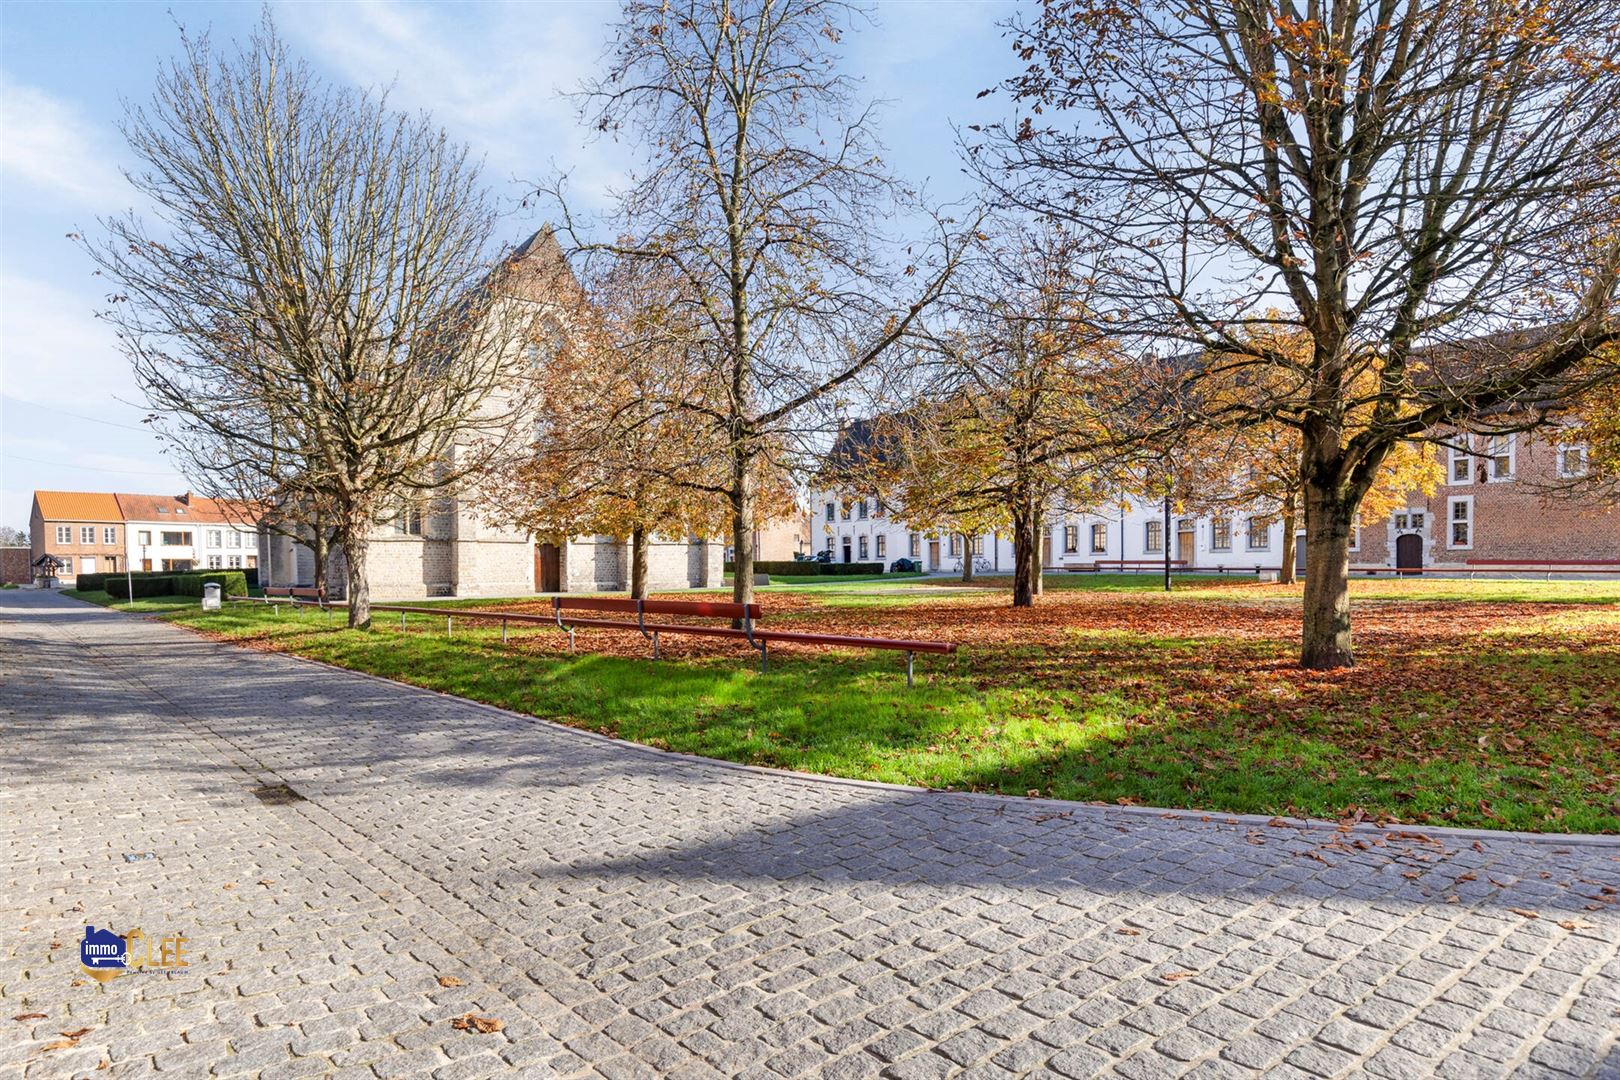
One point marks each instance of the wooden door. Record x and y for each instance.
(1186, 546)
(933, 554)
(1299, 554)
(1409, 552)
(1046, 549)
(547, 577)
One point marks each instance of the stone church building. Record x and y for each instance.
(445, 547)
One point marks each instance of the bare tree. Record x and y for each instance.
(10, 537)
(309, 305)
(1025, 408)
(1416, 186)
(763, 191)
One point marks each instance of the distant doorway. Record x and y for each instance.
(1409, 553)
(933, 554)
(1299, 553)
(547, 576)
(846, 550)
(1186, 544)
(1046, 550)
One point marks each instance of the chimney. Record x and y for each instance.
(186, 498)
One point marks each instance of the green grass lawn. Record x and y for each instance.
(1491, 704)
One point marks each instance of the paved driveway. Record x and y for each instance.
(334, 846)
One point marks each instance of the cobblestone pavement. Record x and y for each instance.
(630, 913)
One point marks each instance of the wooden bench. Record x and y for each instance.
(1139, 564)
(572, 613)
(293, 594)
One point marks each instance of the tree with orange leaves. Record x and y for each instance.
(1430, 193)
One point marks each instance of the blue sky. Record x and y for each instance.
(492, 74)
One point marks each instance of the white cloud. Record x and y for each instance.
(54, 351)
(46, 144)
(497, 81)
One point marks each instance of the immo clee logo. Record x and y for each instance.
(103, 954)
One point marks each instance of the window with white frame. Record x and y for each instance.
(882, 543)
(860, 509)
(1499, 452)
(177, 539)
(144, 537)
(1071, 539)
(64, 534)
(843, 509)
(1220, 534)
(1099, 538)
(215, 561)
(87, 534)
(1259, 537)
(1460, 517)
(216, 539)
(1461, 463)
(239, 540)
(1153, 536)
(878, 509)
(831, 540)
(109, 535)
(234, 562)
(978, 545)
(1571, 460)
(914, 546)
(955, 547)
(1400, 522)
(1355, 537)
(1417, 519)
(67, 565)
(832, 511)
(861, 547)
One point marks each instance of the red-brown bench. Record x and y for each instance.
(571, 613)
(293, 594)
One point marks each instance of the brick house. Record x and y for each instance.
(106, 532)
(1493, 511)
(84, 530)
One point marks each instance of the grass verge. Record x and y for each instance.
(1485, 704)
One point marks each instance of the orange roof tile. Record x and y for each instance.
(77, 506)
(187, 507)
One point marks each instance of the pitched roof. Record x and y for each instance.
(187, 507)
(77, 506)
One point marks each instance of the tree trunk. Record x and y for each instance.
(317, 550)
(355, 547)
(638, 563)
(1329, 521)
(741, 497)
(1290, 521)
(967, 557)
(1026, 554)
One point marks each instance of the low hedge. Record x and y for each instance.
(789, 568)
(118, 586)
(232, 583)
(99, 582)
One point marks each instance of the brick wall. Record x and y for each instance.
(1515, 519)
(15, 566)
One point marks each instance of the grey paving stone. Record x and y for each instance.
(628, 913)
